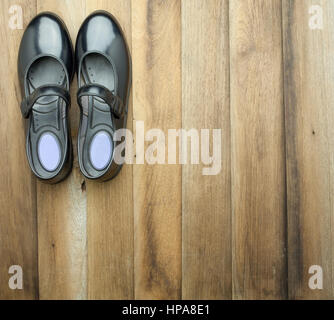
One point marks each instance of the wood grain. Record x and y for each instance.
(309, 99)
(156, 44)
(110, 206)
(206, 200)
(62, 208)
(258, 168)
(254, 69)
(18, 230)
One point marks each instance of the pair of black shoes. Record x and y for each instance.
(46, 67)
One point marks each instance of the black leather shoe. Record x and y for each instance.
(103, 66)
(46, 69)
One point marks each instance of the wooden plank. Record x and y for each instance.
(156, 44)
(309, 99)
(206, 200)
(62, 208)
(110, 207)
(258, 167)
(18, 231)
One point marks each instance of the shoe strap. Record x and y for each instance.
(113, 101)
(44, 91)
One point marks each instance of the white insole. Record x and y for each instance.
(49, 151)
(100, 150)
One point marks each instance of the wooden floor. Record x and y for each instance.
(253, 68)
